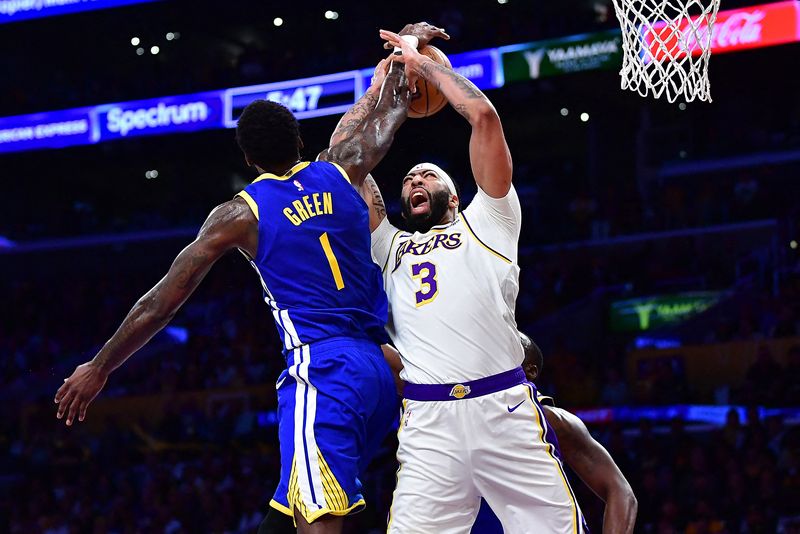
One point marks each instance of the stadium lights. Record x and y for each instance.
(155, 50)
(564, 112)
(135, 41)
(150, 175)
(682, 106)
(793, 244)
(139, 51)
(277, 21)
(584, 117)
(170, 36)
(331, 15)
(502, 1)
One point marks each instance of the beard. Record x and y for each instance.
(439, 204)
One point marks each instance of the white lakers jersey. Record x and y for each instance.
(452, 292)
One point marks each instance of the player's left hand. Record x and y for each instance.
(380, 73)
(79, 390)
(423, 31)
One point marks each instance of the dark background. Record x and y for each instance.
(615, 208)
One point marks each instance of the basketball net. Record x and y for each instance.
(667, 46)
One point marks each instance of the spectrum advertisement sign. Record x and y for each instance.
(735, 29)
(185, 113)
(17, 10)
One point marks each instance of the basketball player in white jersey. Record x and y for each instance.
(470, 427)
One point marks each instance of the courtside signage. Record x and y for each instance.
(752, 27)
(17, 10)
(735, 29)
(481, 67)
(648, 313)
(544, 59)
(55, 129)
(185, 113)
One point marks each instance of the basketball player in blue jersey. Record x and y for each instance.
(305, 231)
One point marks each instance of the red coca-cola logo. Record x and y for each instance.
(741, 28)
(736, 29)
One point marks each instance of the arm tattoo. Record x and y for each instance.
(226, 227)
(363, 150)
(464, 85)
(352, 119)
(377, 199)
(190, 270)
(462, 110)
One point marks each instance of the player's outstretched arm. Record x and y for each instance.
(488, 151)
(352, 120)
(592, 463)
(354, 116)
(348, 124)
(359, 153)
(231, 225)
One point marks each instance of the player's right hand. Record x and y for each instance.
(410, 56)
(423, 31)
(79, 390)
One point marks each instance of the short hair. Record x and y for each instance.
(533, 354)
(268, 134)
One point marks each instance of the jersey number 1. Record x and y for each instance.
(337, 273)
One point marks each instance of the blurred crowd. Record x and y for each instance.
(200, 471)
(741, 478)
(196, 467)
(224, 337)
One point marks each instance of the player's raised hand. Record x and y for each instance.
(380, 72)
(410, 56)
(423, 31)
(80, 389)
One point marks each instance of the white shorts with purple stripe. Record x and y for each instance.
(483, 439)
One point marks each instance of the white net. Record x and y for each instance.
(667, 46)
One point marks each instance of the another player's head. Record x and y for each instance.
(534, 360)
(429, 197)
(269, 136)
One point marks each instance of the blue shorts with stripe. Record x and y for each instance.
(336, 403)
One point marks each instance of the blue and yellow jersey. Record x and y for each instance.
(314, 257)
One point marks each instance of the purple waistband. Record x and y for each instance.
(465, 390)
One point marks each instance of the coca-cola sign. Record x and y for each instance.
(736, 29)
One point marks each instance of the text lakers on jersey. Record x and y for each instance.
(447, 241)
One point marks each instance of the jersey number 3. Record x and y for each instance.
(425, 272)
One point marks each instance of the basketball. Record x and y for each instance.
(428, 99)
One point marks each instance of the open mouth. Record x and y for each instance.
(419, 201)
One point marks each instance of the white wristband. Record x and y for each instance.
(410, 39)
